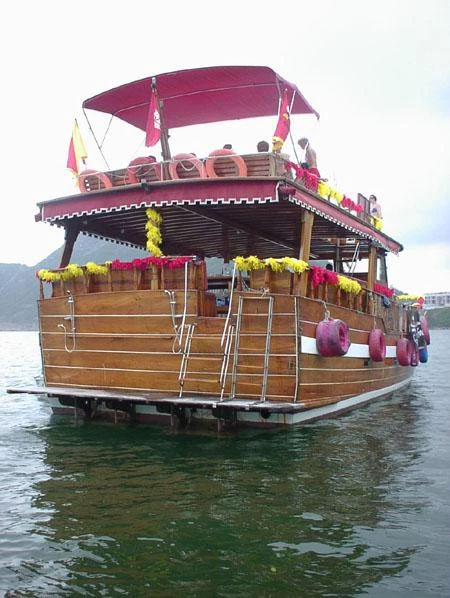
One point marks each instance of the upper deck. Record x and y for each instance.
(251, 205)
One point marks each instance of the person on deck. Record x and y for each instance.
(310, 156)
(375, 212)
(263, 146)
(228, 146)
(375, 208)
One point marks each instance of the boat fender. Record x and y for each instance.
(414, 356)
(189, 162)
(238, 161)
(142, 168)
(404, 351)
(332, 338)
(425, 329)
(423, 354)
(103, 180)
(377, 345)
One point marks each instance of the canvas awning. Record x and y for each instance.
(202, 95)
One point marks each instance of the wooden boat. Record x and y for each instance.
(278, 339)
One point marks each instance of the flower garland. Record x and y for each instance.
(75, 271)
(318, 275)
(154, 237)
(93, 268)
(71, 271)
(312, 182)
(383, 290)
(348, 285)
(276, 264)
(143, 263)
(408, 298)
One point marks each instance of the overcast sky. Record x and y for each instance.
(377, 72)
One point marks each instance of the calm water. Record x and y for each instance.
(354, 506)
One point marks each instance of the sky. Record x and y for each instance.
(378, 74)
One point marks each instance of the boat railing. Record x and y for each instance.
(189, 167)
(126, 276)
(184, 166)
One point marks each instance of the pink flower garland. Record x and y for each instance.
(143, 263)
(319, 275)
(350, 204)
(382, 290)
(311, 181)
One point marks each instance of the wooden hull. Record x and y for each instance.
(129, 342)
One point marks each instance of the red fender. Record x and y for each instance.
(238, 161)
(404, 351)
(425, 329)
(332, 338)
(144, 168)
(377, 345)
(187, 161)
(93, 180)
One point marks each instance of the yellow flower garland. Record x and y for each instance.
(93, 268)
(348, 285)
(276, 264)
(154, 237)
(71, 271)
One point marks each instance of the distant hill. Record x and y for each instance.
(439, 318)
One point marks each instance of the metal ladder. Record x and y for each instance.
(265, 372)
(190, 329)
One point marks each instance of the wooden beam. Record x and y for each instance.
(71, 234)
(306, 227)
(372, 274)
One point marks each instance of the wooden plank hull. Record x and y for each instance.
(137, 343)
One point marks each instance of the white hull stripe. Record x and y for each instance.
(355, 350)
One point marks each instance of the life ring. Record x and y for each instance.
(404, 351)
(425, 329)
(377, 345)
(423, 354)
(332, 338)
(188, 162)
(222, 153)
(144, 168)
(93, 180)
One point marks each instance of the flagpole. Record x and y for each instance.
(165, 149)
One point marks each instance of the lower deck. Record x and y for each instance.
(191, 411)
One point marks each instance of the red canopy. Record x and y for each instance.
(203, 95)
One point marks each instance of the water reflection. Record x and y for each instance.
(142, 509)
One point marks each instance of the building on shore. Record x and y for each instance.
(434, 300)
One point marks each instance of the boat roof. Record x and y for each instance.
(202, 95)
(217, 218)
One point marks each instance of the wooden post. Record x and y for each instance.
(71, 235)
(306, 227)
(372, 273)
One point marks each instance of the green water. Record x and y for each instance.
(356, 505)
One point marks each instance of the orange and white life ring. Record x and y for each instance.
(187, 162)
(377, 345)
(144, 168)
(93, 180)
(332, 338)
(404, 351)
(241, 166)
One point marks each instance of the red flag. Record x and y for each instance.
(153, 128)
(283, 126)
(77, 152)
